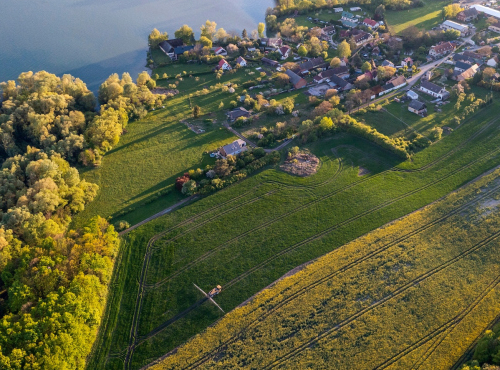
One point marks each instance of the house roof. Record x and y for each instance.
(417, 105)
(455, 25)
(234, 147)
(347, 15)
(284, 49)
(393, 82)
(471, 12)
(328, 29)
(333, 72)
(181, 49)
(349, 24)
(170, 44)
(312, 63)
(486, 10)
(218, 49)
(269, 61)
(294, 78)
(362, 36)
(222, 62)
(412, 94)
(387, 63)
(238, 112)
(370, 22)
(463, 58)
(339, 81)
(240, 59)
(462, 65)
(470, 72)
(432, 87)
(444, 46)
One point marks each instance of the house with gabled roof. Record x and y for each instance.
(241, 61)
(467, 15)
(362, 38)
(434, 90)
(285, 51)
(235, 148)
(393, 84)
(297, 81)
(341, 71)
(417, 107)
(340, 84)
(441, 49)
(370, 23)
(313, 63)
(224, 65)
(219, 50)
(270, 62)
(237, 113)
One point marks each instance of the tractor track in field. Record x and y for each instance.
(396, 293)
(298, 209)
(146, 261)
(439, 334)
(343, 269)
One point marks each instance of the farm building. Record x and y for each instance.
(486, 10)
(434, 90)
(236, 147)
(417, 107)
(297, 81)
(450, 25)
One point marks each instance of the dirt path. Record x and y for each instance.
(159, 214)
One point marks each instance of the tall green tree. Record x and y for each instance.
(185, 33)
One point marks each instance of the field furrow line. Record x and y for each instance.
(348, 267)
(385, 299)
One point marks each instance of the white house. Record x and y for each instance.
(285, 51)
(241, 61)
(393, 84)
(450, 25)
(338, 10)
(493, 62)
(355, 9)
(224, 65)
(434, 90)
(236, 147)
(441, 49)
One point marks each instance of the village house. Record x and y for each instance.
(241, 61)
(297, 81)
(340, 84)
(362, 38)
(495, 27)
(367, 76)
(285, 51)
(467, 15)
(270, 62)
(272, 42)
(236, 147)
(219, 50)
(370, 23)
(463, 58)
(342, 72)
(349, 20)
(407, 62)
(224, 65)
(174, 47)
(469, 73)
(450, 25)
(417, 107)
(236, 113)
(434, 90)
(327, 32)
(338, 10)
(441, 49)
(393, 84)
(313, 63)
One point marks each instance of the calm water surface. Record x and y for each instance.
(93, 38)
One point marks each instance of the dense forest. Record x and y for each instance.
(53, 280)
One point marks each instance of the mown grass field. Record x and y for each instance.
(424, 17)
(253, 232)
(410, 295)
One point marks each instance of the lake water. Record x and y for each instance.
(93, 38)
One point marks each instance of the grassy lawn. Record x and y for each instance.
(418, 290)
(424, 17)
(325, 15)
(248, 235)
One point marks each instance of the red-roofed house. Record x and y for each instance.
(441, 49)
(370, 23)
(285, 51)
(220, 51)
(224, 65)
